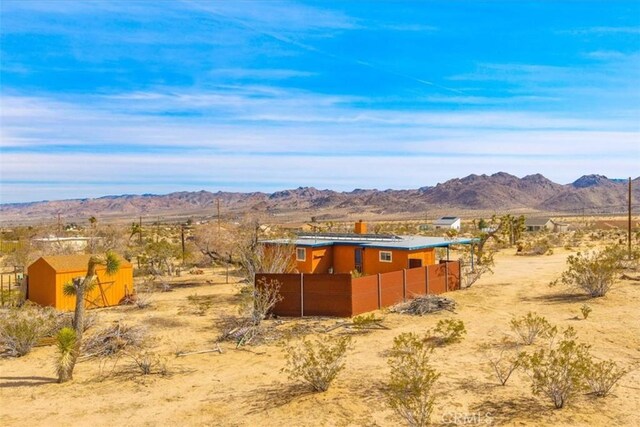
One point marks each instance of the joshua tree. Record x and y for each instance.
(79, 287)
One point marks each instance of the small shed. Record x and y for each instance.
(538, 224)
(448, 222)
(48, 275)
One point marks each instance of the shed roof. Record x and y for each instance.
(536, 221)
(446, 220)
(62, 263)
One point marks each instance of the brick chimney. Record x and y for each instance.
(361, 227)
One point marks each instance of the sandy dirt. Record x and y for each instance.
(246, 387)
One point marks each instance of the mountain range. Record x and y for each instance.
(498, 192)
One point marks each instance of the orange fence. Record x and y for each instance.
(341, 295)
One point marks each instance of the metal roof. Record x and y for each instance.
(399, 242)
(536, 221)
(74, 263)
(446, 220)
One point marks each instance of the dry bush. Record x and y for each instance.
(262, 298)
(503, 362)
(367, 321)
(602, 376)
(531, 327)
(148, 363)
(22, 327)
(447, 331)
(593, 272)
(240, 330)
(409, 391)
(318, 362)
(559, 372)
(585, 310)
(114, 339)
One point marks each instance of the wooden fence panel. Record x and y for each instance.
(391, 285)
(364, 294)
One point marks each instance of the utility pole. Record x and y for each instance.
(140, 230)
(629, 223)
(182, 236)
(218, 209)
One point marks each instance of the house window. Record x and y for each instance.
(385, 256)
(301, 254)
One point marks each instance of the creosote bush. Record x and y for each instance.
(558, 372)
(318, 362)
(592, 272)
(531, 327)
(602, 376)
(447, 331)
(409, 390)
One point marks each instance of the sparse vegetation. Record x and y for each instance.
(22, 327)
(114, 339)
(447, 331)
(585, 310)
(409, 390)
(503, 363)
(317, 362)
(531, 327)
(593, 272)
(602, 376)
(559, 372)
(148, 363)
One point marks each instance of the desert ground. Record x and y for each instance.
(245, 386)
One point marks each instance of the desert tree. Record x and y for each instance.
(80, 287)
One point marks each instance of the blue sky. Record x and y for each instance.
(102, 97)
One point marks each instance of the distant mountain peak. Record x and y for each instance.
(590, 181)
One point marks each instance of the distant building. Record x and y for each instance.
(538, 224)
(74, 244)
(448, 222)
(560, 227)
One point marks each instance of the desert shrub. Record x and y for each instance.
(602, 376)
(22, 327)
(592, 272)
(560, 371)
(409, 390)
(447, 332)
(147, 363)
(114, 339)
(366, 321)
(318, 362)
(503, 363)
(530, 327)
(585, 310)
(66, 346)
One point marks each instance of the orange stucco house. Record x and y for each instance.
(366, 253)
